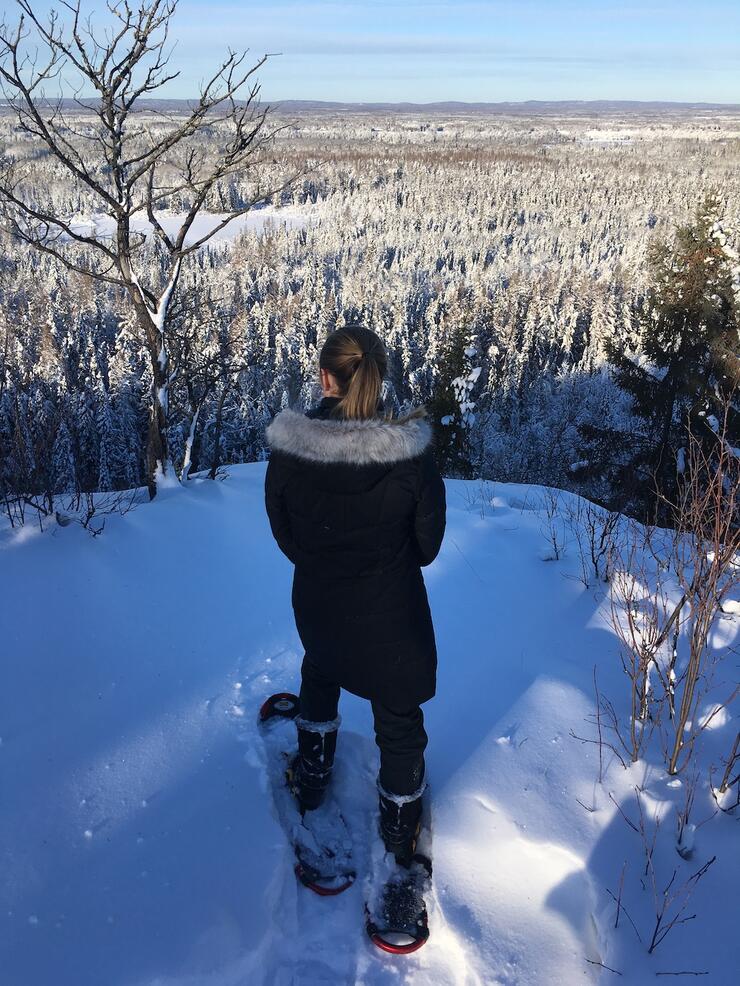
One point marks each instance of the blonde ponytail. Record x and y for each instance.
(356, 356)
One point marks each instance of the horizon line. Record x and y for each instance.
(434, 102)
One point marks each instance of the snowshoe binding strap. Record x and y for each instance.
(283, 705)
(423, 861)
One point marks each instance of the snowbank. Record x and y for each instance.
(139, 844)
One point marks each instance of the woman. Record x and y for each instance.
(356, 502)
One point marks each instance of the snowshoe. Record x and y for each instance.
(395, 914)
(318, 833)
(399, 923)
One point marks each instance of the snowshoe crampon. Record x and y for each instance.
(319, 838)
(400, 925)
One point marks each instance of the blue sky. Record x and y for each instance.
(376, 50)
(484, 51)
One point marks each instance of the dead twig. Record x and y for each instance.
(603, 966)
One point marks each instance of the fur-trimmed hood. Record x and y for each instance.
(358, 442)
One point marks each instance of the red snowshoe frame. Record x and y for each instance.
(309, 878)
(283, 704)
(383, 937)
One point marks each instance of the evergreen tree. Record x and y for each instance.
(681, 367)
(63, 478)
(451, 408)
(107, 432)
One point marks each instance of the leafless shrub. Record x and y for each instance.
(604, 718)
(705, 561)
(686, 829)
(643, 616)
(550, 523)
(480, 497)
(87, 509)
(667, 589)
(487, 497)
(670, 900)
(595, 531)
(96, 507)
(16, 508)
(730, 779)
(695, 566)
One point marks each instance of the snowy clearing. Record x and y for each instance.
(255, 221)
(138, 837)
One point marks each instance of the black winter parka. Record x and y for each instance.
(359, 507)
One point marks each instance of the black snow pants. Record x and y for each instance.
(399, 730)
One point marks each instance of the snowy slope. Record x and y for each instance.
(139, 845)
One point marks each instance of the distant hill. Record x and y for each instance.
(530, 107)
(526, 108)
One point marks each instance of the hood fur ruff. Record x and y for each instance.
(359, 442)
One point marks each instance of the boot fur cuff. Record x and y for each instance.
(402, 799)
(318, 727)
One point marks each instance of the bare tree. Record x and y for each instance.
(206, 362)
(129, 164)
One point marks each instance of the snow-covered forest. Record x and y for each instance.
(524, 236)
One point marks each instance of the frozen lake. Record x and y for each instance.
(256, 221)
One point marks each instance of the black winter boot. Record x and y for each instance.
(310, 770)
(400, 818)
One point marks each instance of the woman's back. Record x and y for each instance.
(351, 489)
(358, 506)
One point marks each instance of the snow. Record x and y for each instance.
(714, 717)
(719, 233)
(140, 846)
(159, 316)
(165, 477)
(254, 221)
(187, 458)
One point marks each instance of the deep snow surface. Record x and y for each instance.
(138, 839)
